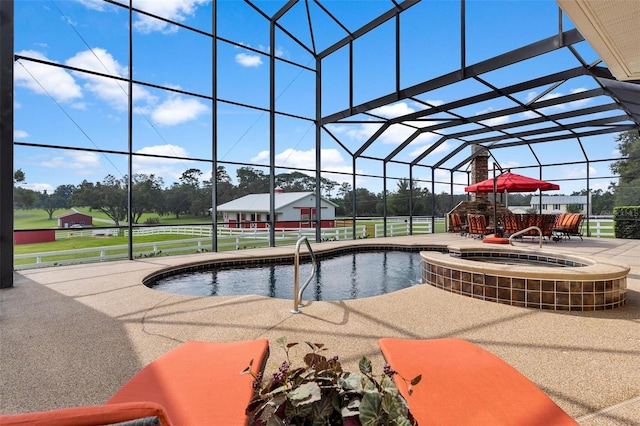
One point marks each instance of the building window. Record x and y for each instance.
(581, 206)
(544, 207)
(556, 206)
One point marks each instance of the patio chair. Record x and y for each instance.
(198, 383)
(456, 224)
(478, 225)
(511, 224)
(463, 384)
(568, 224)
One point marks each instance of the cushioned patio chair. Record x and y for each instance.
(511, 224)
(456, 224)
(478, 225)
(198, 383)
(569, 224)
(463, 384)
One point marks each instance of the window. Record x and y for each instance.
(556, 206)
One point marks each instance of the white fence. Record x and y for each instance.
(395, 229)
(232, 239)
(600, 226)
(228, 239)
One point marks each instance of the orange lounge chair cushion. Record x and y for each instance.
(463, 384)
(495, 240)
(89, 416)
(199, 383)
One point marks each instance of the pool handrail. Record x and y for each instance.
(522, 231)
(297, 291)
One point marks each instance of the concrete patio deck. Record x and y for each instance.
(73, 335)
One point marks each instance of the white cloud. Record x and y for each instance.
(45, 79)
(112, 91)
(581, 102)
(174, 10)
(98, 60)
(73, 160)
(20, 134)
(331, 159)
(579, 172)
(178, 110)
(93, 4)
(168, 168)
(443, 147)
(39, 187)
(394, 110)
(496, 121)
(396, 133)
(558, 107)
(248, 60)
(459, 180)
(168, 150)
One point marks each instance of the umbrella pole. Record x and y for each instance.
(495, 205)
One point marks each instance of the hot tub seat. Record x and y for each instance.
(197, 383)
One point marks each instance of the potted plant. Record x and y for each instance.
(320, 392)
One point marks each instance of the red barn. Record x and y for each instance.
(74, 219)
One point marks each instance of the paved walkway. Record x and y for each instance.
(72, 335)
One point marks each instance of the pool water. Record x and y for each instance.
(348, 276)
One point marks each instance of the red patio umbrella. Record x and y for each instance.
(512, 182)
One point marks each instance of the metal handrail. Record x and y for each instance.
(522, 231)
(297, 291)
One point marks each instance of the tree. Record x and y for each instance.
(195, 201)
(602, 202)
(398, 202)
(327, 186)
(295, 181)
(146, 195)
(18, 176)
(573, 208)
(24, 198)
(226, 190)
(177, 199)
(252, 181)
(108, 197)
(51, 202)
(627, 191)
(65, 192)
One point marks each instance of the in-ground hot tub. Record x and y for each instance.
(533, 279)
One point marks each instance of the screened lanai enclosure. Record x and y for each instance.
(144, 115)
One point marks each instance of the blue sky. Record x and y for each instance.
(54, 106)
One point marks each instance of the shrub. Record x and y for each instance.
(321, 392)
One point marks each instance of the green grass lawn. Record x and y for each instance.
(39, 219)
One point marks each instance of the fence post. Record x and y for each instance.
(237, 243)
(155, 249)
(598, 228)
(102, 255)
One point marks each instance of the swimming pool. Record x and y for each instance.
(347, 276)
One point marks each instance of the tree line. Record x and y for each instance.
(192, 195)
